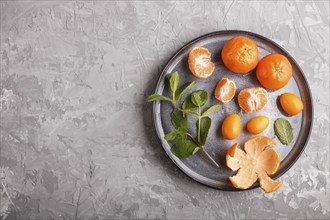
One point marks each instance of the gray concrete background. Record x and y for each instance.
(76, 133)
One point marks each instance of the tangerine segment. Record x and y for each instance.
(274, 71)
(200, 64)
(255, 162)
(240, 54)
(225, 90)
(252, 99)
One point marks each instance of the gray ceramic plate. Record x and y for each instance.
(198, 166)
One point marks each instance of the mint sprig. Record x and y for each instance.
(185, 144)
(173, 80)
(195, 101)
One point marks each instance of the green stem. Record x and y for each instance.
(209, 156)
(199, 126)
(173, 100)
(174, 104)
(194, 140)
(203, 149)
(199, 130)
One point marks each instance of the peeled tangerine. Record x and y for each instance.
(255, 162)
(252, 99)
(199, 62)
(225, 90)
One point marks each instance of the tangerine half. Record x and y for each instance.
(225, 90)
(252, 99)
(200, 64)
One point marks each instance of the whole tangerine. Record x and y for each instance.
(274, 71)
(240, 54)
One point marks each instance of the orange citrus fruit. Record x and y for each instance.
(253, 163)
(274, 71)
(200, 64)
(231, 127)
(252, 99)
(240, 54)
(291, 103)
(225, 90)
(257, 124)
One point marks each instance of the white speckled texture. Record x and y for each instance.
(76, 133)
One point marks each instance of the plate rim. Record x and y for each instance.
(221, 32)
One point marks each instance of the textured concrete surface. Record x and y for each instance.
(76, 133)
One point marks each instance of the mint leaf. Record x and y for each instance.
(188, 103)
(203, 96)
(184, 88)
(182, 132)
(179, 133)
(155, 97)
(184, 148)
(174, 81)
(191, 112)
(283, 131)
(209, 110)
(205, 124)
(178, 119)
(196, 99)
(170, 136)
